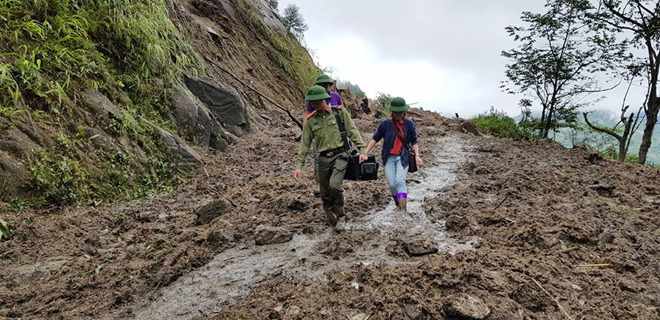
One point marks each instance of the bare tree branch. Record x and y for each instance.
(600, 129)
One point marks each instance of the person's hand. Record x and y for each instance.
(363, 158)
(296, 174)
(419, 161)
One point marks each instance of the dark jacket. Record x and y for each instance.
(387, 130)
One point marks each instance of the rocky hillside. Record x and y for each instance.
(108, 99)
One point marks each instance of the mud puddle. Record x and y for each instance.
(367, 240)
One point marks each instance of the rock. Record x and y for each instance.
(198, 123)
(13, 172)
(271, 235)
(421, 247)
(220, 234)
(187, 158)
(99, 105)
(223, 102)
(211, 210)
(457, 223)
(269, 16)
(466, 306)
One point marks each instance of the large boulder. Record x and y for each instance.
(212, 209)
(198, 123)
(13, 172)
(224, 102)
(186, 157)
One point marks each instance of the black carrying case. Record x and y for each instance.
(355, 170)
(367, 170)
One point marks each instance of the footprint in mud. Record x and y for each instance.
(367, 240)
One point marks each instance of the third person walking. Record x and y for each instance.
(400, 136)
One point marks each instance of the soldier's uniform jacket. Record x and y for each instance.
(323, 127)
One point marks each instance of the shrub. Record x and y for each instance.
(499, 124)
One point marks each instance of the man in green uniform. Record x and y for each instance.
(322, 126)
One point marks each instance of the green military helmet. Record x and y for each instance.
(324, 78)
(398, 104)
(316, 93)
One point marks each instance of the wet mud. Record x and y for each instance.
(373, 239)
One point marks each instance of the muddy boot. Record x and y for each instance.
(339, 226)
(341, 213)
(403, 203)
(331, 218)
(396, 201)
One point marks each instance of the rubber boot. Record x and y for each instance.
(403, 203)
(396, 201)
(341, 219)
(331, 218)
(339, 226)
(341, 213)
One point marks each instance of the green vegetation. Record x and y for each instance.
(294, 58)
(293, 21)
(287, 51)
(273, 4)
(5, 231)
(497, 123)
(383, 99)
(125, 49)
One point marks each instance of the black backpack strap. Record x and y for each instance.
(342, 129)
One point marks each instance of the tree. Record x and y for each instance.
(642, 20)
(630, 125)
(383, 99)
(559, 52)
(294, 21)
(273, 4)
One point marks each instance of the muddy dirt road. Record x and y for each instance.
(522, 229)
(373, 239)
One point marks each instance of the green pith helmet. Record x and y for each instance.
(398, 104)
(324, 78)
(316, 93)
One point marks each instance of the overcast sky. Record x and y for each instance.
(444, 54)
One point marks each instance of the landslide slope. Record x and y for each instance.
(108, 99)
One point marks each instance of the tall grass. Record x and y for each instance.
(52, 49)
